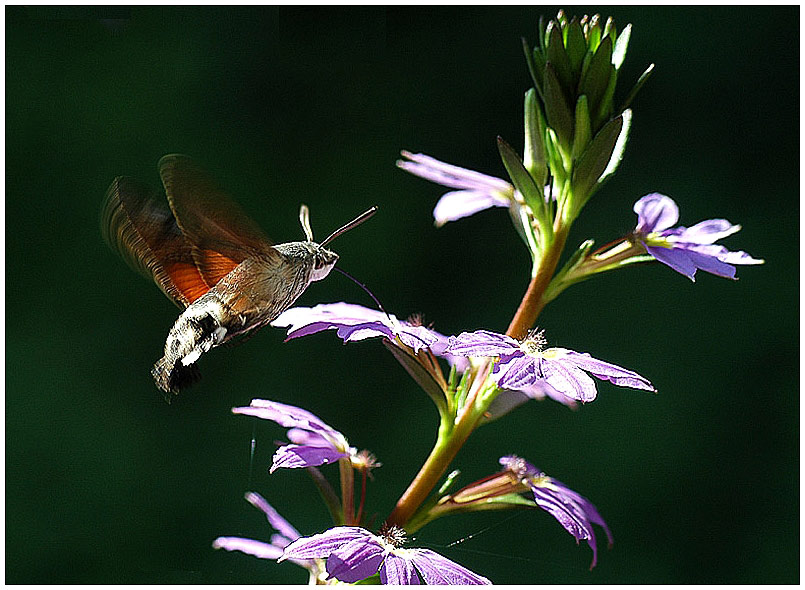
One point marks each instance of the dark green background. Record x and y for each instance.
(107, 483)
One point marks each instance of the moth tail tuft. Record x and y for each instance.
(173, 376)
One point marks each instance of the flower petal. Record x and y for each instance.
(323, 544)
(482, 343)
(676, 259)
(542, 389)
(437, 569)
(302, 321)
(707, 231)
(565, 510)
(521, 372)
(274, 519)
(458, 204)
(655, 212)
(608, 372)
(398, 571)
(286, 415)
(248, 546)
(295, 456)
(565, 378)
(591, 513)
(356, 560)
(451, 176)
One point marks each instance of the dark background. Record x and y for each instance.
(105, 483)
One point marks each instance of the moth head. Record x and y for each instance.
(323, 262)
(323, 259)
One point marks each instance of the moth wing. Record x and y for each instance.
(145, 233)
(221, 233)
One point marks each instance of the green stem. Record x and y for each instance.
(532, 303)
(449, 441)
(436, 464)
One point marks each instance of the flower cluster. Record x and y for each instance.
(575, 136)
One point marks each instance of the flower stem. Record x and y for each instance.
(347, 490)
(359, 518)
(444, 451)
(533, 302)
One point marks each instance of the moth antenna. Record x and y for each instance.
(355, 222)
(304, 219)
(364, 287)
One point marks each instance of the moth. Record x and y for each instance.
(210, 259)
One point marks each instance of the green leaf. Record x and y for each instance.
(449, 481)
(557, 57)
(576, 47)
(583, 131)
(594, 33)
(520, 177)
(605, 106)
(541, 31)
(534, 153)
(609, 28)
(536, 73)
(619, 51)
(595, 80)
(633, 92)
(555, 161)
(559, 115)
(593, 163)
(578, 256)
(620, 147)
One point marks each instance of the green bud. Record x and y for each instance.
(575, 67)
(534, 157)
(520, 177)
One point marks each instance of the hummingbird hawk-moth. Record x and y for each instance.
(210, 259)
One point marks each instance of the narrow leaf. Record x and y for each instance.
(583, 131)
(594, 161)
(559, 115)
(557, 57)
(536, 74)
(534, 154)
(596, 79)
(619, 51)
(521, 178)
(620, 147)
(605, 106)
(633, 92)
(576, 47)
(578, 256)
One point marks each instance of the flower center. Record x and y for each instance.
(655, 240)
(534, 343)
(393, 536)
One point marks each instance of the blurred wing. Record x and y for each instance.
(222, 234)
(146, 235)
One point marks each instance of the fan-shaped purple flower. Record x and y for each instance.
(314, 442)
(573, 511)
(478, 191)
(354, 554)
(529, 367)
(686, 250)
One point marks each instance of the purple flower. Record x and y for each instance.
(355, 322)
(314, 442)
(285, 535)
(686, 250)
(529, 367)
(573, 511)
(354, 554)
(478, 191)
